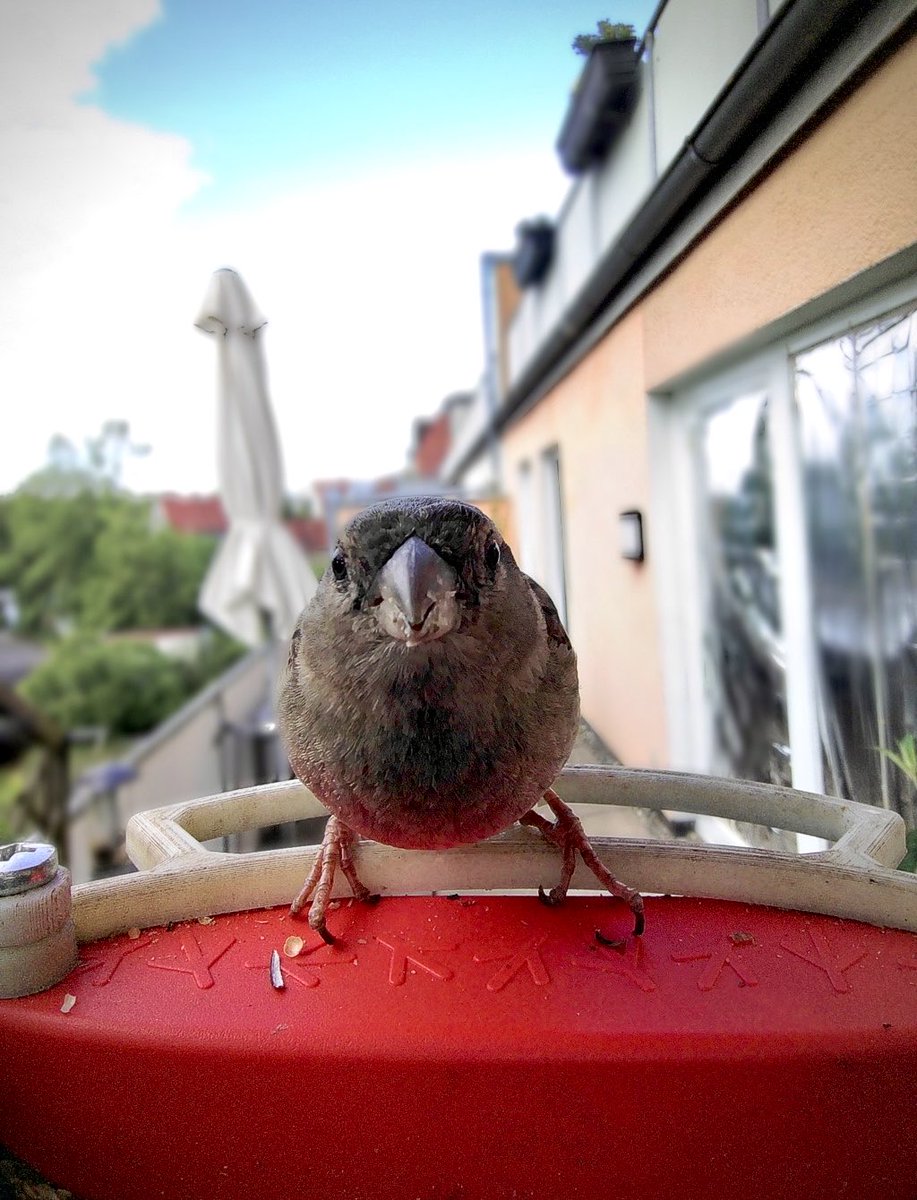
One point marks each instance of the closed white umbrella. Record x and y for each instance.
(260, 579)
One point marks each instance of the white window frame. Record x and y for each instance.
(678, 569)
(528, 519)
(554, 541)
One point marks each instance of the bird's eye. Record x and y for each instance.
(339, 566)
(492, 556)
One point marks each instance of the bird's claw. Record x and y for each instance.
(324, 933)
(335, 852)
(611, 943)
(566, 832)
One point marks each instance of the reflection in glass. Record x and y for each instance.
(743, 648)
(856, 400)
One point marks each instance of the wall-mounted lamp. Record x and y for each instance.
(630, 535)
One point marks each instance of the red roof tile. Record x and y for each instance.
(204, 514)
(310, 532)
(194, 514)
(434, 436)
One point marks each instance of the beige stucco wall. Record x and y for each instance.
(843, 201)
(597, 419)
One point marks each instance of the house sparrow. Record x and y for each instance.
(430, 695)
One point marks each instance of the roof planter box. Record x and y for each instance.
(534, 248)
(600, 105)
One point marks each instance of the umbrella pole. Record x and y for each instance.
(273, 661)
(272, 652)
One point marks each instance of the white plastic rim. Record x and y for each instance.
(179, 879)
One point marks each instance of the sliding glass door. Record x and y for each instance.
(796, 496)
(856, 399)
(743, 649)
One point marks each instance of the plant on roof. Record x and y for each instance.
(606, 31)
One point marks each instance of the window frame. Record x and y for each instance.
(674, 418)
(554, 549)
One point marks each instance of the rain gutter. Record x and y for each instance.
(778, 64)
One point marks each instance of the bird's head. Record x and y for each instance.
(416, 570)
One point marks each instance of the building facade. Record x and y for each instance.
(707, 425)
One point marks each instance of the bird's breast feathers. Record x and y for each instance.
(430, 696)
(434, 746)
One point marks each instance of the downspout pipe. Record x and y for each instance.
(797, 39)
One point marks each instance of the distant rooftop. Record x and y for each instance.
(193, 514)
(205, 515)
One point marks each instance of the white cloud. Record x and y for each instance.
(370, 285)
(83, 194)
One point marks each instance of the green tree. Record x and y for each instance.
(142, 579)
(127, 687)
(79, 552)
(606, 31)
(46, 554)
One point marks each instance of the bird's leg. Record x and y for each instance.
(359, 889)
(335, 851)
(553, 833)
(567, 833)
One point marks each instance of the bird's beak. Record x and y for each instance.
(413, 596)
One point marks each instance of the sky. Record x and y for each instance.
(351, 161)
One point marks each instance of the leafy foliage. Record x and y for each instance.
(13, 780)
(92, 561)
(48, 545)
(79, 553)
(127, 687)
(905, 758)
(909, 862)
(140, 579)
(606, 31)
(83, 560)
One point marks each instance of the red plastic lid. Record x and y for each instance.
(475, 1047)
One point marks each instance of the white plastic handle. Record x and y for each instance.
(179, 879)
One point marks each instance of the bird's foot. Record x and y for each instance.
(335, 851)
(567, 833)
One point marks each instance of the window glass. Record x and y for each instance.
(856, 398)
(743, 649)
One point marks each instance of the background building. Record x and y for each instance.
(706, 406)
